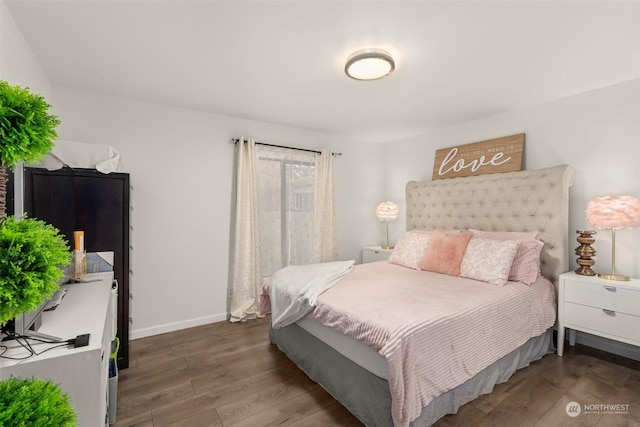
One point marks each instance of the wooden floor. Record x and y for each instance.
(227, 374)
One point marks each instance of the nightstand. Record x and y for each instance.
(600, 307)
(375, 253)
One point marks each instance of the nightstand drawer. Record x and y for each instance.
(596, 319)
(608, 296)
(375, 253)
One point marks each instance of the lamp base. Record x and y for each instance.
(386, 247)
(618, 277)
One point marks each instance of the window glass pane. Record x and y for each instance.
(286, 185)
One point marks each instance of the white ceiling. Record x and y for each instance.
(282, 61)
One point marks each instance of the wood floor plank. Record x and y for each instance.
(628, 395)
(205, 418)
(488, 402)
(134, 419)
(223, 395)
(557, 415)
(468, 415)
(177, 411)
(601, 381)
(528, 404)
(151, 401)
(289, 411)
(261, 400)
(334, 414)
(563, 372)
(228, 375)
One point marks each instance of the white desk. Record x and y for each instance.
(81, 372)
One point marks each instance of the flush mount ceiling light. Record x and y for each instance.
(369, 64)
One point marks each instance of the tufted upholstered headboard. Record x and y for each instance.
(514, 201)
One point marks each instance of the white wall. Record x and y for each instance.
(181, 166)
(18, 65)
(597, 133)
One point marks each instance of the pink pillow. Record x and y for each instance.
(526, 264)
(445, 252)
(410, 248)
(489, 260)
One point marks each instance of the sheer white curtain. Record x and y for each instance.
(326, 246)
(245, 297)
(285, 216)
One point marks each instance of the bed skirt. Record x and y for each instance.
(367, 396)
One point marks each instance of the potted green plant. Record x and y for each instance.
(31, 254)
(34, 403)
(27, 131)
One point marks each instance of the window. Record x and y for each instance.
(286, 181)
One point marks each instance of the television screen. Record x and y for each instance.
(28, 323)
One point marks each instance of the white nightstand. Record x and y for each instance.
(375, 253)
(600, 307)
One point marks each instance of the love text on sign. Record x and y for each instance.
(491, 156)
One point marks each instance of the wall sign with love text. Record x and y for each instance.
(491, 156)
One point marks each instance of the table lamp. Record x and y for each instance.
(387, 211)
(614, 212)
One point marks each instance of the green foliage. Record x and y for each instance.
(34, 403)
(31, 254)
(27, 130)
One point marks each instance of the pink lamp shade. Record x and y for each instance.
(614, 212)
(387, 211)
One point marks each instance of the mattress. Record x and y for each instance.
(357, 352)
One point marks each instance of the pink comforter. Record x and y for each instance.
(434, 331)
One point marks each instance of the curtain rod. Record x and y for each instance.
(236, 140)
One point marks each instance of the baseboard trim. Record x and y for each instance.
(610, 346)
(176, 326)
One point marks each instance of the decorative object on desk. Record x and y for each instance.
(27, 131)
(34, 402)
(585, 252)
(614, 212)
(387, 211)
(79, 255)
(32, 253)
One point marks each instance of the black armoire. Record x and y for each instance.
(98, 204)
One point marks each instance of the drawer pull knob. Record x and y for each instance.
(610, 288)
(609, 312)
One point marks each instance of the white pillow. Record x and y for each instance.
(410, 248)
(489, 260)
(526, 264)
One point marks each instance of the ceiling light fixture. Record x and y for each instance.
(369, 64)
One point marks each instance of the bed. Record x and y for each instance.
(444, 357)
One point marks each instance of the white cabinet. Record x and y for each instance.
(375, 253)
(82, 372)
(606, 308)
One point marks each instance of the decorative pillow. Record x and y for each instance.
(526, 264)
(445, 252)
(489, 260)
(410, 248)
